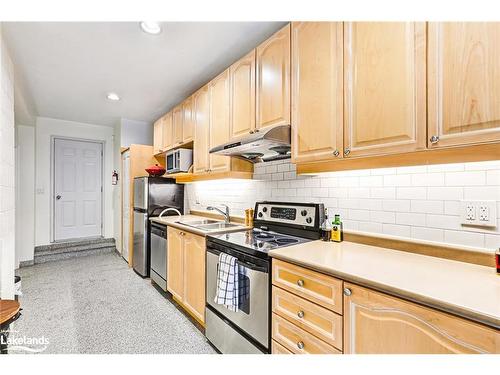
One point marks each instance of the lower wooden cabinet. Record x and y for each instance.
(375, 323)
(297, 340)
(186, 271)
(277, 348)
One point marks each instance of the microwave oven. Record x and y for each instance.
(179, 160)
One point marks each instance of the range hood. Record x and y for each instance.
(265, 145)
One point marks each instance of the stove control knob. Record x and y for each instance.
(264, 209)
(303, 212)
(260, 214)
(309, 220)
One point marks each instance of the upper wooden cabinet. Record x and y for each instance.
(384, 88)
(375, 323)
(464, 83)
(317, 90)
(219, 119)
(273, 80)
(188, 120)
(242, 96)
(201, 105)
(177, 124)
(167, 131)
(158, 136)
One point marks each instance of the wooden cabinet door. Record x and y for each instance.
(242, 91)
(317, 89)
(219, 119)
(167, 131)
(375, 323)
(158, 136)
(177, 119)
(273, 80)
(201, 105)
(463, 83)
(188, 120)
(175, 263)
(384, 88)
(194, 275)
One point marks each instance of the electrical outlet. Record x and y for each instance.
(479, 213)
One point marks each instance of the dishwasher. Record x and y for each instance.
(158, 266)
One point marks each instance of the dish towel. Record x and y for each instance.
(227, 282)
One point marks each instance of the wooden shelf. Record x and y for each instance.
(183, 178)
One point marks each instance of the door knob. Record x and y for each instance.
(58, 197)
(300, 282)
(300, 314)
(434, 139)
(336, 153)
(300, 345)
(347, 292)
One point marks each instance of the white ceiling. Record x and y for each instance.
(67, 68)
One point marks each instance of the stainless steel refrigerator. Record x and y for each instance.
(151, 196)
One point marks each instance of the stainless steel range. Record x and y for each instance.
(276, 225)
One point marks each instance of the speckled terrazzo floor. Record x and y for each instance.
(96, 304)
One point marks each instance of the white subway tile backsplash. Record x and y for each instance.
(427, 234)
(420, 202)
(445, 193)
(469, 178)
(411, 193)
(428, 207)
(464, 238)
(397, 230)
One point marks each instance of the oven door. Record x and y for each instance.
(172, 162)
(253, 315)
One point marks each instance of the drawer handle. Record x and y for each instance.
(347, 292)
(300, 345)
(300, 314)
(300, 282)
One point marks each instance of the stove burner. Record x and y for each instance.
(264, 237)
(283, 241)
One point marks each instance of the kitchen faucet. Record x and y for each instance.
(225, 214)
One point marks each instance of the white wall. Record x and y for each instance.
(7, 176)
(25, 193)
(47, 128)
(135, 132)
(419, 202)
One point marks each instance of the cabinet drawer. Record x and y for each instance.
(307, 315)
(277, 348)
(314, 286)
(297, 340)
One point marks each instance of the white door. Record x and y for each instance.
(77, 189)
(126, 204)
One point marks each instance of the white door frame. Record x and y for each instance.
(53, 182)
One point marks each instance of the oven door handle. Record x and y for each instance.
(252, 266)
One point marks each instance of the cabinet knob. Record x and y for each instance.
(256, 130)
(300, 314)
(251, 131)
(434, 139)
(347, 292)
(300, 345)
(347, 151)
(336, 153)
(300, 282)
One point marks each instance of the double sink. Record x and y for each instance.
(208, 225)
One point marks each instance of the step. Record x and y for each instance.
(70, 249)
(68, 244)
(48, 257)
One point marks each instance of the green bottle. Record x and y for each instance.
(337, 232)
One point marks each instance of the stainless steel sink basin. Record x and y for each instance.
(217, 226)
(196, 223)
(208, 225)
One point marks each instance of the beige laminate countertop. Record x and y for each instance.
(464, 289)
(172, 222)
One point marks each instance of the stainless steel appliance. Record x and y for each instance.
(266, 145)
(276, 224)
(158, 269)
(179, 160)
(151, 196)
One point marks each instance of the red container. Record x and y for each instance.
(497, 258)
(156, 170)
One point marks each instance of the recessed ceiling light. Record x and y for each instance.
(113, 96)
(151, 27)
